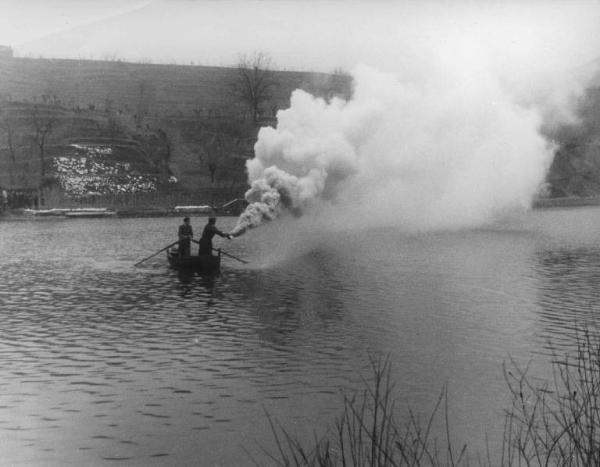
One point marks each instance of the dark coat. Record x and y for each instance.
(185, 234)
(210, 230)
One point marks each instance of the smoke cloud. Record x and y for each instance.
(450, 139)
(435, 156)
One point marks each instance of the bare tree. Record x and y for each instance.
(171, 139)
(212, 151)
(340, 83)
(7, 128)
(145, 100)
(43, 120)
(254, 81)
(215, 151)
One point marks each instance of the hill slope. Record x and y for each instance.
(183, 126)
(179, 132)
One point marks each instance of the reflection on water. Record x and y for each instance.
(568, 292)
(104, 362)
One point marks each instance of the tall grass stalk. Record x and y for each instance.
(557, 423)
(368, 433)
(552, 423)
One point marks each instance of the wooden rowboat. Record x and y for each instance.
(196, 263)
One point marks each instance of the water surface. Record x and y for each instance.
(105, 363)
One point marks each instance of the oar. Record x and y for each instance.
(231, 256)
(225, 253)
(159, 251)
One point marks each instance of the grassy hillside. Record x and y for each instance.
(152, 90)
(122, 132)
(179, 134)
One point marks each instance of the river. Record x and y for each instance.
(105, 363)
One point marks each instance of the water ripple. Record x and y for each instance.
(133, 365)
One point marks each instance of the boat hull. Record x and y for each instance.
(196, 263)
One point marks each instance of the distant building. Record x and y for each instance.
(6, 51)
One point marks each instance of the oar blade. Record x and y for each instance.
(225, 253)
(154, 254)
(231, 256)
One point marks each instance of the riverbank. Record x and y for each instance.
(24, 214)
(231, 209)
(566, 202)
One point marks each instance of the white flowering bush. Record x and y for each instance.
(98, 173)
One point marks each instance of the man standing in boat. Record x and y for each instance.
(210, 230)
(185, 237)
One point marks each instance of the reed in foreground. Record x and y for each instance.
(557, 423)
(554, 423)
(368, 433)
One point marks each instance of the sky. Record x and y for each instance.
(304, 34)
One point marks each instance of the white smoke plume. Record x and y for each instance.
(435, 156)
(451, 139)
(307, 158)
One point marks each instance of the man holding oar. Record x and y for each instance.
(185, 234)
(210, 230)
